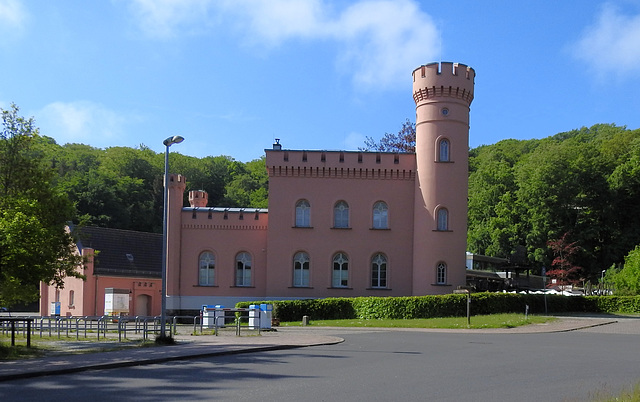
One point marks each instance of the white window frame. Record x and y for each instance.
(206, 269)
(303, 214)
(380, 215)
(243, 269)
(341, 215)
(379, 269)
(301, 270)
(340, 271)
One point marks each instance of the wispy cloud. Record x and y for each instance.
(612, 44)
(164, 19)
(83, 122)
(13, 16)
(377, 41)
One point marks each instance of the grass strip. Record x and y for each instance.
(477, 322)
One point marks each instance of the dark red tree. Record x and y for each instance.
(563, 269)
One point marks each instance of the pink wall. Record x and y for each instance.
(361, 179)
(89, 294)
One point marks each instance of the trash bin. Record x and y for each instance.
(266, 313)
(208, 316)
(220, 319)
(254, 316)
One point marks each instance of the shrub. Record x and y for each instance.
(451, 305)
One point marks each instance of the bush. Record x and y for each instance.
(452, 305)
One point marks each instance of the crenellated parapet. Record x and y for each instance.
(439, 80)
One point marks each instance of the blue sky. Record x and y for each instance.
(232, 75)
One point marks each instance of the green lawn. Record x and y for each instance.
(478, 321)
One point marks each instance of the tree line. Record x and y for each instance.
(568, 203)
(121, 187)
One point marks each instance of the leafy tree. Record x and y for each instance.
(34, 243)
(627, 279)
(403, 141)
(563, 268)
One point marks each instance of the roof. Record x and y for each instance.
(123, 252)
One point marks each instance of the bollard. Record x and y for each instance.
(305, 320)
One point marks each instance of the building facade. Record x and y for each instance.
(117, 261)
(339, 223)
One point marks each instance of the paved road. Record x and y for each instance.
(377, 366)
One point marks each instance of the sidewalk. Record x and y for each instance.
(189, 347)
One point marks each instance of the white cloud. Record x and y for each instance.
(167, 18)
(612, 44)
(378, 41)
(80, 122)
(13, 16)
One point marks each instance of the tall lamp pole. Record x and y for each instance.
(176, 139)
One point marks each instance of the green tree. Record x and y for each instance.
(627, 279)
(34, 243)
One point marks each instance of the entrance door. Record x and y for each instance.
(143, 303)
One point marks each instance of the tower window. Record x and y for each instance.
(441, 274)
(443, 150)
(443, 219)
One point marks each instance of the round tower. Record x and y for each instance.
(443, 94)
(198, 198)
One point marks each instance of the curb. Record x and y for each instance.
(158, 360)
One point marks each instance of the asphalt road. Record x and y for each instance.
(377, 366)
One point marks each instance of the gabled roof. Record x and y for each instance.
(123, 252)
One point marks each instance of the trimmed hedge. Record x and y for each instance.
(451, 305)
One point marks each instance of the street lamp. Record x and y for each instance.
(176, 139)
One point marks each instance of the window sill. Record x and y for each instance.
(337, 228)
(444, 231)
(242, 286)
(301, 227)
(205, 286)
(443, 161)
(340, 287)
(300, 287)
(379, 289)
(380, 229)
(441, 284)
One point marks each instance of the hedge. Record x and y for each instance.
(451, 305)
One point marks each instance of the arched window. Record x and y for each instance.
(301, 270)
(340, 277)
(380, 214)
(441, 274)
(379, 271)
(443, 219)
(303, 214)
(443, 150)
(341, 215)
(243, 269)
(206, 269)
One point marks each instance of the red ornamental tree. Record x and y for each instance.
(563, 270)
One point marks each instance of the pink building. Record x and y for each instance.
(339, 223)
(118, 262)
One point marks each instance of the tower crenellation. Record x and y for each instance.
(444, 79)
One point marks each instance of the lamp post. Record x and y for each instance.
(176, 139)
